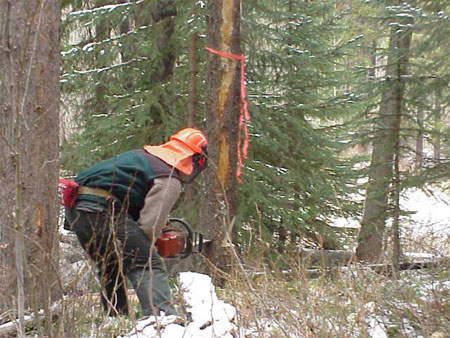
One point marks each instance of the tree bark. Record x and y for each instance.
(437, 137)
(29, 170)
(102, 33)
(163, 14)
(396, 247)
(192, 106)
(386, 141)
(419, 141)
(222, 121)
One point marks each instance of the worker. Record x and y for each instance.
(120, 207)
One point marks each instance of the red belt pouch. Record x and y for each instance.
(68, 190)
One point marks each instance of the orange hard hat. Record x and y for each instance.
(193, 138)
(180, 148)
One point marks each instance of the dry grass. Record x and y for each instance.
(351, 302)
(287, 302)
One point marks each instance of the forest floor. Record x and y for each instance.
(347, 302)
(351, 301)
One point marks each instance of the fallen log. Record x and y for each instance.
(388, 269)
(326, 258)
(11, 328)
(339, 258)
(325, 263)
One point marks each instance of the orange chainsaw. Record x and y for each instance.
(177, 240)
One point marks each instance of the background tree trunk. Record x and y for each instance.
(419, 141)
(102, 33)
(163, 22)
(437, 138)
(29, 170)
(222, 113)
(163, 13)
(385, 143)
(192, 105)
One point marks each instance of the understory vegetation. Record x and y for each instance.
(300, 299)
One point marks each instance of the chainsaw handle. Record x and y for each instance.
(189, 244)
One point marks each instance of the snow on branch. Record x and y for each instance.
(104, 9)
(66, 76)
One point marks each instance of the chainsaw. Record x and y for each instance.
(177, 240)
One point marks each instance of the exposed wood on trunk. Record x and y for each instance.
(222, 111)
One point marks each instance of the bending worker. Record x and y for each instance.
(122, 204)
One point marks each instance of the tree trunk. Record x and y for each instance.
(102, 33)
(163, 23)
(396, 247)
(190, 189)
(163, 14)
(222, 113)
(128, 50)
(419, 141)
(437, 137)
(386, 141)
(29, 133)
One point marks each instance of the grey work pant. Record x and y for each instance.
(120, 249)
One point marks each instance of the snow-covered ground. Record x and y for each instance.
(429, 213)
(210, 317)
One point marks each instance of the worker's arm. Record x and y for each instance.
(158, 203)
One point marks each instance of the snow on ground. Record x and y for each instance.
(210, 317)
(429, 213)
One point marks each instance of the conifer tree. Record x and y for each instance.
(403, 109)
(296, 180)
(387, 140)
(134, 66)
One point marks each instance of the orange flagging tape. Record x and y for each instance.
(244, 115)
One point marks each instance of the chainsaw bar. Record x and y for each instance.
(195, 241)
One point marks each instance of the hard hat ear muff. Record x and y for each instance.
(199, 162)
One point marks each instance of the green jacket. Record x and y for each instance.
(128, 177)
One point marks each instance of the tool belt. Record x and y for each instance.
(98, 192)
(69, 190)
(95, 191)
